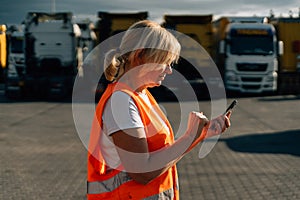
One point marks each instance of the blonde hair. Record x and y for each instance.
(155, 45)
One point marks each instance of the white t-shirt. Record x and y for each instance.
(120, 113)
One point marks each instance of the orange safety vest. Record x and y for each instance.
(106, 183)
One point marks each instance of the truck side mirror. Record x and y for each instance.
(222, 47)
(280, 48)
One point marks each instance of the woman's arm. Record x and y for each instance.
(135, 157)
(144, 166)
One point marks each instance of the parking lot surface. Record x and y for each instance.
(43, 158)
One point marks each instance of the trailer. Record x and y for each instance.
(3, 51)
(107, 25)
(50, 53)
(195, 33)
(288, 31)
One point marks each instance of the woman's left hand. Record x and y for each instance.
(217, 125)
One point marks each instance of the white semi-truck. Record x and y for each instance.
(86, 42)
(16, 63)
(248, 54)
(50, 53)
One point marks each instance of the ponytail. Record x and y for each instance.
(113, 64)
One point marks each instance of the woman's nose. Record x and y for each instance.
(169, 69)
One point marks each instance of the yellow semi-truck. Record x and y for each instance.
(195, 33)
(3, 51)
(109, 24)
(198, 27)
(288, 31)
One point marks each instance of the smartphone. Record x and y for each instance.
(231, 106)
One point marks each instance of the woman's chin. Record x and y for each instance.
(151, 85)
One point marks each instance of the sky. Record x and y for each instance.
(14, 11)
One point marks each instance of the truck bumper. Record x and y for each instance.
(49, 86)
(13, 86)
(251, 83)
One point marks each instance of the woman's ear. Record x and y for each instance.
(138, 57)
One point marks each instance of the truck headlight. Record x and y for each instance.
(230, 76)
(271, 77)
(11, 71)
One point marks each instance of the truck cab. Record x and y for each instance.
(16, 63)
(50, 53)
(250, 57)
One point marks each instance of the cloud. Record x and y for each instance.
(15, 10)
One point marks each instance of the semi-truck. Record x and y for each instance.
(3, 51)
(198, 27)
(16, 63)
(86, 42)
(195, 33)
(107, 25)
(288, 31)
(110, 23)
(247, 54)
(50, 53)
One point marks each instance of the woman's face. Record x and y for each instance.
(152, 74)
(149, 74)
(144, 73)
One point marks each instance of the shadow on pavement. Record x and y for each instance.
(286, 142)
(280, 98)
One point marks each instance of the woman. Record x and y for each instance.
(132, 151)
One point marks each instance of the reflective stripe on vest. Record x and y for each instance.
(109, 185)
(167, 195)
(113, 183)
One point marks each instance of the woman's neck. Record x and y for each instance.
(132, 82)
(131, 78)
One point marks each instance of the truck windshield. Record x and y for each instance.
(16, 45)
(252, 45)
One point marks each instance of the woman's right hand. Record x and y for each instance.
(196, 122)
(217, 125)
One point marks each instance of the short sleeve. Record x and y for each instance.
(121, 113)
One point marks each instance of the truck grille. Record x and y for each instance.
(251, 67)
(251, 79)
(251, 87)
(20, 70)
